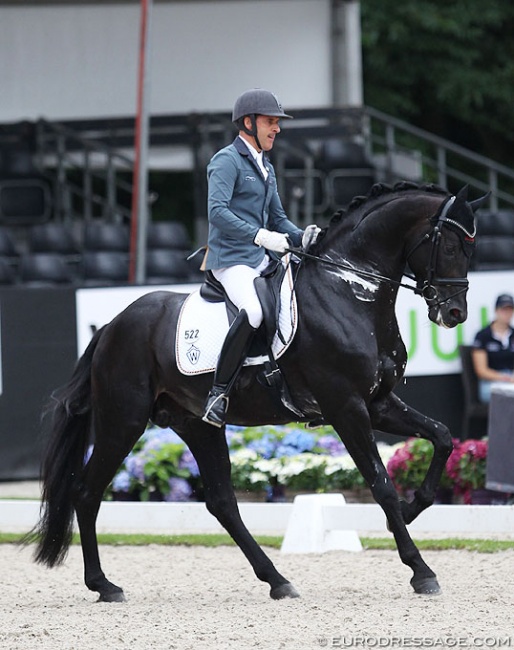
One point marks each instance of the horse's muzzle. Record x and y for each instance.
(447, 316)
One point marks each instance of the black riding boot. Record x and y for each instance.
(233, 353)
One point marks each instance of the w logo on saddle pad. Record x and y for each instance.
(202, 328)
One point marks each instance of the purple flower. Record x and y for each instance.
(180, 490)
(332, 445)
(188, 462)
(299, 439)
(135, 466)
(121, 482)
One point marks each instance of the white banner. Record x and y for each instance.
(432, 350)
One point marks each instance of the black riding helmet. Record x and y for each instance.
(251, 103)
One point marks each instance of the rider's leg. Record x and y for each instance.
(238, 283)
(233, 353)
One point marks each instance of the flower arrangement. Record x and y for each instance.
(467, 465)
(161, 467)
(409, 464)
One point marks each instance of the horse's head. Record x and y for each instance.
(440, 259)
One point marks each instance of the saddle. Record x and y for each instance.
(267, 286)
(208, 313)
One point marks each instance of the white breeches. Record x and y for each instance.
(238, 283)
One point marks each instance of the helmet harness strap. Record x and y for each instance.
(253, 130)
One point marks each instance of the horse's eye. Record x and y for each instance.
(450, 249)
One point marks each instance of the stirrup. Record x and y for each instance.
(216, 409)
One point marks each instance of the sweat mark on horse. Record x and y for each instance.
(343, 364)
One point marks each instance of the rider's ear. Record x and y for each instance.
(477, 203)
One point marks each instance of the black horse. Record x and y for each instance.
(343, 365)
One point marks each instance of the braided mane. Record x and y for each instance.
(378, 190)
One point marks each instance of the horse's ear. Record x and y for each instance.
(462, 194)
(477, 203)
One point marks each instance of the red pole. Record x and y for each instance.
(138, 141)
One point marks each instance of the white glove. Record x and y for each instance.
(310, 234)
(273, 241)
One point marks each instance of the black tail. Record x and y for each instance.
(69, 414)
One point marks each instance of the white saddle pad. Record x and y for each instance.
(203, 326)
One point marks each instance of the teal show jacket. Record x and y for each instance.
(240, 202)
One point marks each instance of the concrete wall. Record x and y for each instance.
(70, 61)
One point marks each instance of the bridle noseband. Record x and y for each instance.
(426, 288)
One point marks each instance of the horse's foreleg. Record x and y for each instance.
(209, 447)
(394, 416)
(354, 428)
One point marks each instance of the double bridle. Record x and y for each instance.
(428, 287)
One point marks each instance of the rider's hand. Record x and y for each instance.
(310, 234)
(273, 241)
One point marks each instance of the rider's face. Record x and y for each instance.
(267, 129)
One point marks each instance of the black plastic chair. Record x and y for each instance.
(494, 253)
(52, 238)
(44, 269)
(475, 412)
(102, 236)
(166, 267)
(7, 245)
(7, 272)
(499, 222)
(172, 235)
(104, 268)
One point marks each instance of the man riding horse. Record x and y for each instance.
(246, 219)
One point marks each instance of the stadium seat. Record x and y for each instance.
(102, 236)
(166, 266)
(168, 234)
(498, 222)
(52, 238)
(494, 253)
(44, 269)
(7, 245)
(7, 272)
(105, 268)
(475, 412)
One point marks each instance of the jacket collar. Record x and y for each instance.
(244, 151)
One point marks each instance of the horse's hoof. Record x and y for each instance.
(284, 591)
(112, 597)
(426, 587)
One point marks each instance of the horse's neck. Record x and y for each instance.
(378, 240)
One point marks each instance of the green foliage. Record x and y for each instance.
(446, 66)
(162, 464)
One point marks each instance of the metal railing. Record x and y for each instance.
(440, 160)
(91, 179)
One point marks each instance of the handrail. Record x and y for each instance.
(491, 170)
(97, 166)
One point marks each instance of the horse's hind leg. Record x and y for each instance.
(209, 447)
(115, 436)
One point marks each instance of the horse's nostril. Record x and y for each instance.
(455, 313)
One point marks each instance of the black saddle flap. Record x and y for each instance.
(212, 291)
(267, 287)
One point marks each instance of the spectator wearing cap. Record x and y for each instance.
(493, 348)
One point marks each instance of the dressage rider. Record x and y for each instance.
(246, 219)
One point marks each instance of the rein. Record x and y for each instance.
(428, 289)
